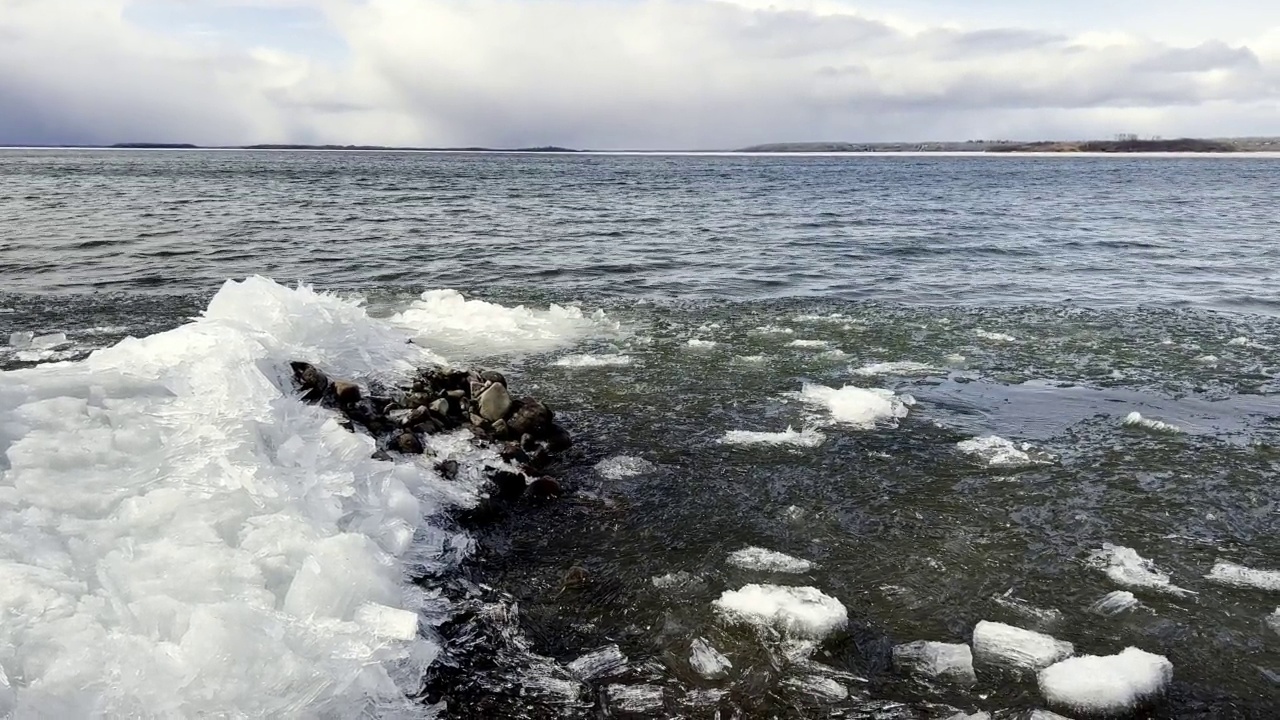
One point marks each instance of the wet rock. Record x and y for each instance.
(495, 402)
(310, 380)
(513, 453)
(509, 484)
(409, 444)
(448, 469)
(544, 488)
(347, 393)
(558, 439)
(456, 394)
(440, 407)
(528, 443)
(500, 429)
(530, 417)
(494, 376)
(539, 460)
(476, 420)
(417, 400)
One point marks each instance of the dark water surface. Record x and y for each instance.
(1041, 300)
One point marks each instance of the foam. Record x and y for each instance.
(1114, 603)
(1106, 684)
(593, 361)
(447, 321)
(757, 558)
(801, 612)
(623, 466)
(807, 438)
(808, 343)
(1017, 648)
(898, 367)
(997, 452)
(1241, 576)
(860, 407)
(699, 344)
(994, 336)
(938, 661)
(180, 534)
(707, 661)
(1135, 419)
(1126, 567)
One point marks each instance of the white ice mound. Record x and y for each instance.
(807, 438)
(860, 407)
(997, 452)
(593, 361)
(623, 466)
(898, 367)
(1106, 684)
(707, 661)
(1126, 567)
(802, 612)
(1241, 576)
(1014, 647)
(757, 558)
(448, 322)
(180, 534)
(948, 662)
(1135, 419)
(1114, 603)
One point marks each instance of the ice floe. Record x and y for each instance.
(645, 699)
(605, 662)
(757, 558)
(623, 466)
(948, 662)
(1106, 684)
(699, 344)
(818, 688)
(1135, 419)
(1114, 603)
(1014, 647)
(707, 661)
(1126, 567)
(593, 361)
(861, 408)
(898, 367)
(801, 612)
(994, 336)
(1240, 576)
(997, 452)
(807, 438)
(808, 343)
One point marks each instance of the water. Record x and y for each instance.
(1041, 300)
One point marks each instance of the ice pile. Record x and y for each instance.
(997, 452)
(756, 558)
(1135, 419)
(180, 534)
(593, 361)
(1126, 567)
(450, 323)
(623, 466)
(807, 438)
(1016, 648)
(707, 661)
(800, 612)
(1241, 576)
(860, 407)
(898, 367)
(948, 662)
(1106, 684)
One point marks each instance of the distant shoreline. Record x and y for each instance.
(273, 146)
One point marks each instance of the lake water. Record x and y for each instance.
(680, 313)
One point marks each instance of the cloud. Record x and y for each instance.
(616, 74)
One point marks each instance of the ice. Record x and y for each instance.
(7, 697)
(635, 698)
(773, 330)
(1114, 603)
(975, 716)
(821, 689)
(21, 339)
(699, 344)
(49, 342)
(1017, 648)
(994, 336)
(180, 533)
(704, 698)
(997, 452)
(941, 661)
(808, 343)
(1126, 567)
(899, 367)
(673, 580)
(1241, 576)
(1135, 419)
(450, 323)
(593, 361)
(1041, 616)
(807, 438)
(1238, 342)
(1273, 620)
(859, 407)
(801, 612)
(623, 466)
(1045, 715)
(1106, 684)
(757, 558)
(605, 662)
(707, 661)
(1207, 359)
(752, 359)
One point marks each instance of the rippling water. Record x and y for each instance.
(1041, 300)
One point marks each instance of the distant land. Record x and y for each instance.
(1123, 144)
(387, 148)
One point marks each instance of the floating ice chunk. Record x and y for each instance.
(1135, 419)
(21, 339)
(899, 367)
(751, 359)
(1106, 684)
(802, 612)
(1114, 603)
(50, 341)
(388, 622)
(593, 361)
(757, 558)
(995, 336)
(605, 662)
(773, 330)
(1241, 576)
(700, 344)
(1126, 567)
(860, 407)
(981, 715)
(623, 466)
(1238, 342)
(704, 698)
(447, 321)
(8, 700)
(1274, 621)
(997, 452)
(1045, 715)
(707, 661)
(941, 661)
(807, 438)
(1207, 359)
(635, 698)
(1014, 647)
(673, 580)
(808, 343)
(820, 689)
(1026, 609)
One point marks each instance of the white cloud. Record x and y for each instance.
(624, 73)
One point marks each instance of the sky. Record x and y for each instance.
(633, 74)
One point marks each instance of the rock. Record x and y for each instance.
(456, 394)
(544, 488)
(476, 420)
(530, 417)
(528, 443)
(494, 376)
(440, 407)
(540, 459)
(347, 393)
(558, 439)
(500, 430)
(415, 416)
(409, 444)
(513, 453)
(495, 402)
(309, 379)
(509, 484)
(417, 400)
(477, 388)
(448, 469)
